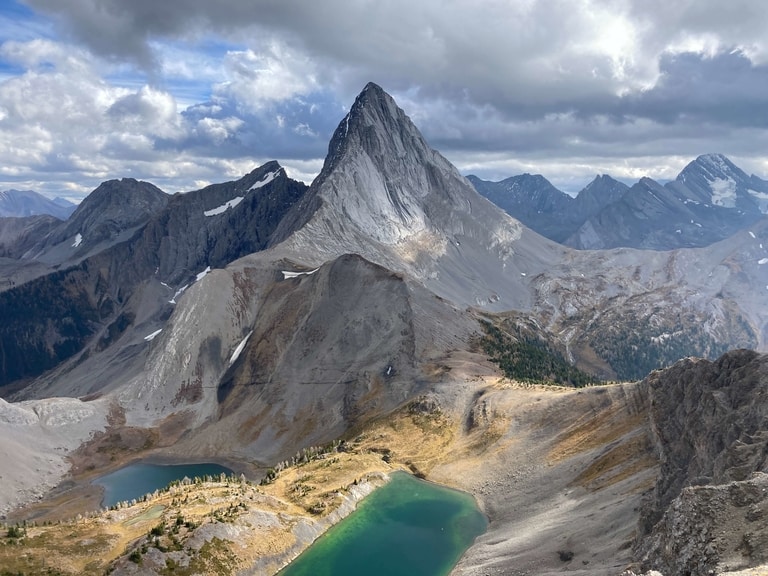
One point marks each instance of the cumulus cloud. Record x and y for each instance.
(498, 52)
(61, 121)
(255, 80)
(580, 83)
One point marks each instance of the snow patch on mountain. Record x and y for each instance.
(762, 200)
(78, 240)
(150, 337)
(266, 180)
(178, 293)
(723, 192)
(224, 207)
(229, 204)
(240, 348)
(288, 274)
(202, 274)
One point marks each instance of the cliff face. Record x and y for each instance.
(709, 421)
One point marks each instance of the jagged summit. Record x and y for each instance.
(386, 195)
(380, 180)
(378, 128)
(601, 191)
(372, 111)
(716, 163)
(601, 180)
(711, 168)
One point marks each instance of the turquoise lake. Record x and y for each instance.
(138, 479)
(407, 527)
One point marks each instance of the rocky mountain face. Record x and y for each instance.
(601, 192)
(110, 214)
(23, 203)
(709, 201)
(133, 251)
(290, 360)
(385, 194)
(18, 236)
(708, 508)
(534, 201)
(714, 179)
(655, 217)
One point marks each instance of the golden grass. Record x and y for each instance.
(310, 490)
(265, 517)
(620, 462)
(593, 431)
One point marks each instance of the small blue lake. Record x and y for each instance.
(141, 478)
(406, 527)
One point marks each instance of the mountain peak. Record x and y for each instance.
(712, 167)
(713, 158)
(373, 111)
(378, 169)
(114, 206)
(715, 180)
(382, 182)
(373, 90)
(601, 192)
(602, 178)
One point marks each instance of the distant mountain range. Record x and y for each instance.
(20, 203)
(710, 200)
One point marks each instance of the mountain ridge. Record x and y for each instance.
(710, 200)
(22, 203)
(127, 272)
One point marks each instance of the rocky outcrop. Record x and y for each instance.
(710, 425)
(712, 529)
(19, 235)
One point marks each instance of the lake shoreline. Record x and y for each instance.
(141, 478)
(78, 493)
(431, 524)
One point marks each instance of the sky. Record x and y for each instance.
(184, 93)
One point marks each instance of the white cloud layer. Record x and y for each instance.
(181, 92)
